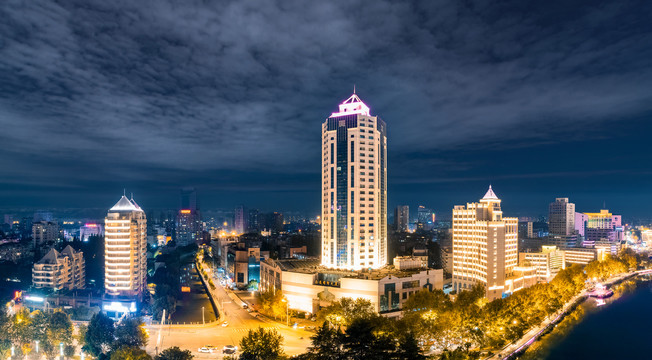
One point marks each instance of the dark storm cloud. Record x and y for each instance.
(230, 95)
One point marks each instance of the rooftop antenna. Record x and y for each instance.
(132, 196)
(354, 88)
(124, 192)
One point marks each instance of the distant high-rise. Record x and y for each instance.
(125, 250)
(253, 221)
(45, 231)
(240, 220)
(401, 218)
(189, 227)
(354, 188)
(485, 245)
(425, 217)
(561, 218)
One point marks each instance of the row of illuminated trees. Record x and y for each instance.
(32, 335)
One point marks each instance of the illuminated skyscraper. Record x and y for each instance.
(354, 188)
(485, 246)
(125, 250)
(561, 218)
(189, 227)
(401, 218)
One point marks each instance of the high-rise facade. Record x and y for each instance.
(240, 219)
(188, 227)
(485, 246)
(354, 188)
(401, 218)
(561, 217)
(125, 250)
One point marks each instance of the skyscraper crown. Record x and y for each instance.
(352, 105)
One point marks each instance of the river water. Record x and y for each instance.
(619, 329)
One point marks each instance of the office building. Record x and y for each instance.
(125, 250)
(309, 286)
(57, 271)
(561, 218)
(243, 263)
(401, 218)
(425, 218)
(90, 229)
(599, 226)
(189, 227)
(240, 220)
(485, 249)
(253, 220)
(548, 262)
(45, 231)
(583, 256)
(354, 188)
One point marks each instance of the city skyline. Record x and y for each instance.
(152, 106)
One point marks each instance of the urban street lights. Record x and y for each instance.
(202, 316)
(36, 346)
(287, 312)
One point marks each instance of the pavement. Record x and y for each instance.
(239, 320)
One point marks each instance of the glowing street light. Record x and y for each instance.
(36, 346)
(287, 312)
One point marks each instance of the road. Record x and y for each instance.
(240, 321)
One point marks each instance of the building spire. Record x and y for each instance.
(354, 88)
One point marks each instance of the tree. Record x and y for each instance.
(326, 344)
(346, 310)
(262, 344)
(99, 335)
(408, 348)
(130, 332)
(60, 328)
(21, 331)
(273, 304)
(174, 353)
(361, 341)
(129, 353)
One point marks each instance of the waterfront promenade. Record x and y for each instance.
(512, 350)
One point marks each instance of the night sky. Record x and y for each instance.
(541, 99)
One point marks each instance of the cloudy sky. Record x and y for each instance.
(539, 98)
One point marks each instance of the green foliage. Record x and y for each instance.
(346, 310)
(129, 353)
(130, 332)
(174, 353)
(272, 304)
(99, 335)
(60, 328)
(326, 343)
(262, 344)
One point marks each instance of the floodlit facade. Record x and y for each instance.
(548, 262)
(485, 246)
(354, 188)
(60, 270)
(309, 287)
(561, 217)
(125, 248)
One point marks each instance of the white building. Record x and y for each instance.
(354, 188)
(485, 248)
(308, 286)
(561, 217)
(548, 262)
(125, 250)
(60, 270)
(45, 231)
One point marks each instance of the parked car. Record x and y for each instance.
(225, 324)
(205, 350)
(229, 349)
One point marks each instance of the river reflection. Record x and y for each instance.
(615, 330)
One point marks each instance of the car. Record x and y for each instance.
(245, 306)
(209, 346)
(204, 350)
(225, 324)
(310, 327)
(229, 349)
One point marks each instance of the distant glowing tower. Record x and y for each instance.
(354, 188)
(125, 250)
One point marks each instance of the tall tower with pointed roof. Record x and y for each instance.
(125, 250)
(354, 188)
(485, 246)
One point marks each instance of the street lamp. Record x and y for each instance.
(61, 349)
(287, 312)
(36, 346)
(202, 316)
